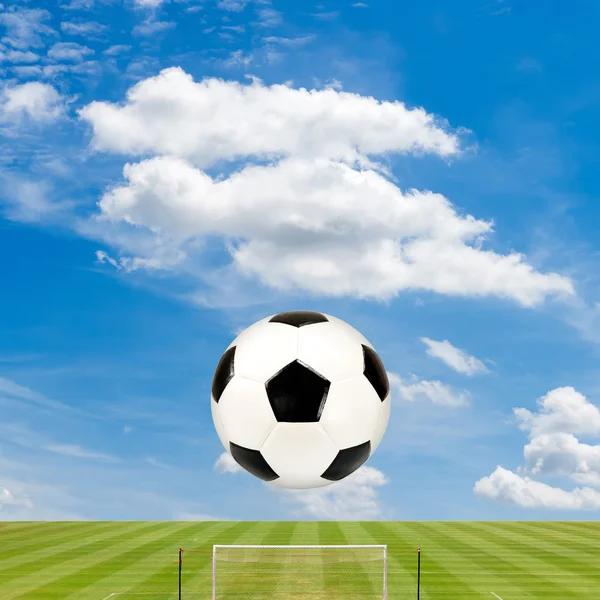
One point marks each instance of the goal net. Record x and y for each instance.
(296, 572)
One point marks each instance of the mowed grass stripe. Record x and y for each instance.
(51, 578)
(15, 525)
(307, 534)
(589, 529)
(566, 539)
(505, 574)
(401, 572)
(358, 582)
(130, 570)
(45, 541)
(402, 556)
(278, 573)
(301, 577)
(556, 558)
(520, 567)
(450, 579)
(34, 528)
(196, 566)
(197, 578)
(37, 560)
(41, 530)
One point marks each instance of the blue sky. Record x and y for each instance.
(172, 171)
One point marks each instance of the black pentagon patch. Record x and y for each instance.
(253, 462)
(223, 373)
(347, 461)
(297, 394)
(375, 372)
(299, 318)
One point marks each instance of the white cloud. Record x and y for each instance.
(29, 201)
(269, 18)
(83, 28)
(78, 5)
(288, 42)
(25, 28)
(553, 451)
(237, 58)
(562, 410)
(151, 26)
(7, 498)
(127, 429)
(149, 3)
(232, 5)
(69, 51)
(226, 464)
(29, 500)
(562, 454)
(320, 236)
(506, 486)
(433, 391)
(353, 498)
(36, 100)
(18, 56)
(455, 358)
(326, 16)
(198, 122)
(117, 49)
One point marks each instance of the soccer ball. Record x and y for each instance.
(300, 399)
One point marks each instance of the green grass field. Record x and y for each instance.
(460, 560)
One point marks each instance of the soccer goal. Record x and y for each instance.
(263, 572)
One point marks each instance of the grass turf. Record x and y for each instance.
(460, 560)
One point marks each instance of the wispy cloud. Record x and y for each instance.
(232, 5)
(150, 27)
(326, 16)
(269, 18)
(69, 51)
(88, 29)
(117, 49)
(455, 358)
(159, 464)
(7, 498)
(289, 42)
(433, 391)
(226, 464)
(77, 451)
(18, 56)
(26, 28)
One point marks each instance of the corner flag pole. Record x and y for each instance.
(418, 573)
(180, 560)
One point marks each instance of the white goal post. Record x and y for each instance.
(284, 572)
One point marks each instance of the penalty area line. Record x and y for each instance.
(495, 595)
(110, 595)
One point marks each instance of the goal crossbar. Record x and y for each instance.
(310, 546)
